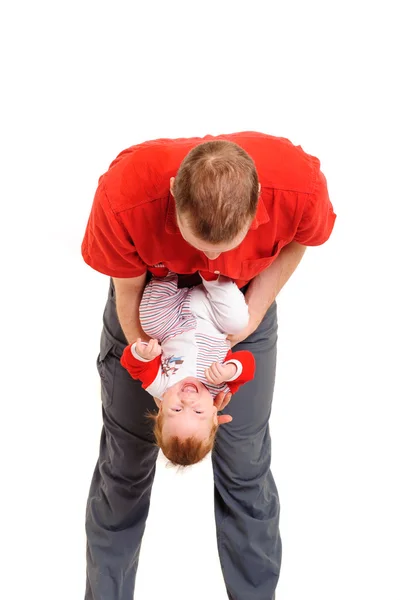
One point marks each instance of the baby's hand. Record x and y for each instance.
(218, 373)
(149, 350)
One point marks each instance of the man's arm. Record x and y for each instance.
(265, 287)
(128, 294)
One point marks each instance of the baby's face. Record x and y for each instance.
(188, 409)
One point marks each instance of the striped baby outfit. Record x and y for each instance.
(191, 325)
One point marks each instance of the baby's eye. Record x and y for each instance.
(177, 409)
(199, 412)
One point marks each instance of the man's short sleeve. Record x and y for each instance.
(318, 218)
(107, 246)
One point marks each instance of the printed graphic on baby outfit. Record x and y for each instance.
(170, 364)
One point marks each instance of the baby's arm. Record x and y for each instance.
(147, 370)
(246, 368)
(237, 368)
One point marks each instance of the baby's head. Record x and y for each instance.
(187, 422)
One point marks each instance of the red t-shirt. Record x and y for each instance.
(132, 225)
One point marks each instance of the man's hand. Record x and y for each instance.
(149, 350)
(221, 401)
(217, 373)
(242, 335)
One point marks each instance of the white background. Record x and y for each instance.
(80, 82)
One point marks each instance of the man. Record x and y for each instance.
(245, 205)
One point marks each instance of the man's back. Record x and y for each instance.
(133, 198)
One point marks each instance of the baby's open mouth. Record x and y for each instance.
(189, 387)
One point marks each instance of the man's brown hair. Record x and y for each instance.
(180, 452)
(216, 190)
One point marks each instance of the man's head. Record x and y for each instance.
(216, 193)
(187, 422)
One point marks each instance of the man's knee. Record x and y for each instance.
(242, 455)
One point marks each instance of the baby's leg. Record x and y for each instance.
(228, 305)
(161, 309)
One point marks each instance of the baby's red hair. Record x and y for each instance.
(182, 452)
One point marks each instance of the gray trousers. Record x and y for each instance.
(245, 496)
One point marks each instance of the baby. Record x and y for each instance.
(188, 359)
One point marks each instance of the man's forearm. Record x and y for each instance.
(128, 294)
(265, 287)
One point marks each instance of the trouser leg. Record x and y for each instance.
(120, 491)
(246, 498)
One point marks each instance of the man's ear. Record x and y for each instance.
(171, 185)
